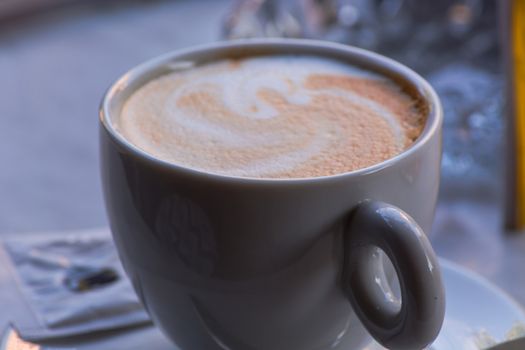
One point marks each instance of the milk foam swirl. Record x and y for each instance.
(274, 116)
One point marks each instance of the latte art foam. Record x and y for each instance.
(272, 117)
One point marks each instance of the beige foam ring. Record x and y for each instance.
(272, 117)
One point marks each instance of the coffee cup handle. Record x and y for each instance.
(416, 322)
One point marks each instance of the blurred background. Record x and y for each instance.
(57, 57)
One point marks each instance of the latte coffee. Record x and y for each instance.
(272, 117)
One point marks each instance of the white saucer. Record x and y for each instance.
(478, 314)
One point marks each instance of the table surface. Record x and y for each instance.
(54, 69)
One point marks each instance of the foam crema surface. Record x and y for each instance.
(272, 117)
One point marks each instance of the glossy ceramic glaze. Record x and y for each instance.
(223, 262)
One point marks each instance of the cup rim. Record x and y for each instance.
(433, 122)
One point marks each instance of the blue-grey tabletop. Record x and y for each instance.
(54, 68)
